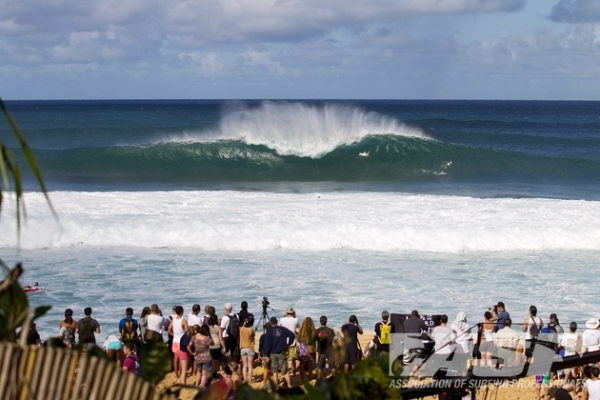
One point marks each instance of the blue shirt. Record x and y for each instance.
(277, 340)
(501, 318)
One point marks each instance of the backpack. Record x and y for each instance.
(86, 327)
(137, 366)
(233, 329)
(534, 331)
(385, 333)
(129, 333)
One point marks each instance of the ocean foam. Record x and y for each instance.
(249, 221)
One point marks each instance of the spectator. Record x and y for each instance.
(231, 333)
(571, 343)
(143, 323)
(264, 360)
(591, 336)
(67, 328)
(444, 339)
(177, 327)
(193, 317)
(506, 341)
(114, 349)
(499, 315)
(351, 330)
(33, 337)
(324, 337)
(199, 347)
(155, 324)
(554, 325)
(383, 333)
(131, 358)
(277, 340)
(86, 328)
(306, 341)
(128, 328)
(533, 322)
(218, 347)
(247, 349)
(290, 322)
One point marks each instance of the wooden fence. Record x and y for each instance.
(32, 373)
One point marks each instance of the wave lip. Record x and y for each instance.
(297, 129)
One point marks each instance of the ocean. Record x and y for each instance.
(335, 207)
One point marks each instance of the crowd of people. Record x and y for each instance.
(210, 346)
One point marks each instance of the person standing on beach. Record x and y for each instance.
(277, 341)
(199, 347)
(143, 323)
(261, 358)
(290, 322)
(571, 342)
(591, 389)
(591, 336)
(507, 341)
(532, 326)
(87, 327)
(414, 328)
(324, 336)
(154, 323)
(218, 347)
(128, 328)
(487, 344)
(130, 358)
(177, 327)
(351, 330)
(230, 324)
(243, 315)
(554, 325)
(193, 317)
(67, 328)
(247, 349)
(444, 339)
(383, 333)
(499, 315)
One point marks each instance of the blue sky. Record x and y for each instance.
(270, 49)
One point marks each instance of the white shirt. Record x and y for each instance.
(225, 324)
(194, 320)
(442, 335)
(591, 340)
(593, 388)
(463, 337)
(530, 320)
(291, 323)
(569, 342)
(154, 322)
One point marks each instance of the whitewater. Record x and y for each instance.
(333, 207)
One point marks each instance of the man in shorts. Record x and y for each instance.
(351, 331)
(277, 341)
(86, 329)
(324, 338)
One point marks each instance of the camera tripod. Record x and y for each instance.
(264, 318)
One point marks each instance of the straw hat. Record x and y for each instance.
(592, 323)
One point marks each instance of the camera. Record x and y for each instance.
(265, 303)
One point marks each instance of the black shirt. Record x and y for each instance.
(33, 336)
(350, 334)
(324, 337)
(562, 394)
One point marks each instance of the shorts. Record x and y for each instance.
(231, 345)
(216, 354)
(175, 348)
(114, 345)
(204, 366)
(265, 364)
(542, 379)
(183, 355)
(326, 358)
(279, 362)
(246, 352)
(351, 356)
(292, 353)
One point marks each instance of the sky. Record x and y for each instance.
(300, 49)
